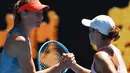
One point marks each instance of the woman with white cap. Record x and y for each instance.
(108, 59)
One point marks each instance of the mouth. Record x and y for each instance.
(38, 25)
(38, 22)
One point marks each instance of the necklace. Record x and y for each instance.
(104, 47)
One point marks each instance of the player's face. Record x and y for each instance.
(92, 36)
(33, 19)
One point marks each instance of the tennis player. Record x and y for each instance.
(16, 55)
(108, 58)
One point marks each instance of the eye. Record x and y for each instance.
(39, 15)
(91, 30)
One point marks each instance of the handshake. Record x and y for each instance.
(67, 60)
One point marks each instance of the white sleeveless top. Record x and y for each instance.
(121, 67)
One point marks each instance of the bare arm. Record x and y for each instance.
(23, 55)
(79, 69)
(104, 63)
(70, 60)
(54, 69)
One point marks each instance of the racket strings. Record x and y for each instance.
(50, 56)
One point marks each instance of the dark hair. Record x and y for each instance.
(17, 17)
(113, 34)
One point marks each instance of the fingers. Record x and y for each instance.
(64, 54)
(69, 57)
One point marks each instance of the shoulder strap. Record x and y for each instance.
(16, 29)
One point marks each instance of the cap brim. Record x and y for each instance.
(86, 22)
(33, 6)
(45, 7)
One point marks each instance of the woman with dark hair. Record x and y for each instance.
(16, 55)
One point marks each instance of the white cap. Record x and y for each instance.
(102, 23)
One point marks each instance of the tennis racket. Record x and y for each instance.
(49, 54)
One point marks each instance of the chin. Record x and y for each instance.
(38, 25)
(34, 27)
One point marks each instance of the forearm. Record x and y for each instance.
(54, 69)
(79, 69)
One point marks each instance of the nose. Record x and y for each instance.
(40, 18)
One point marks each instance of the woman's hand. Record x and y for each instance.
(67, 60)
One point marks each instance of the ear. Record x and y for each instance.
(97, 32)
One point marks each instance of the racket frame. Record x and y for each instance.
(41, 48)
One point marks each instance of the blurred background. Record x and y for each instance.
(63, 23)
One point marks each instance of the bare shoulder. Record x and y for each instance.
(21, 49)
(17, 37)
(100, 56)
(17, 44)
(104, 62)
